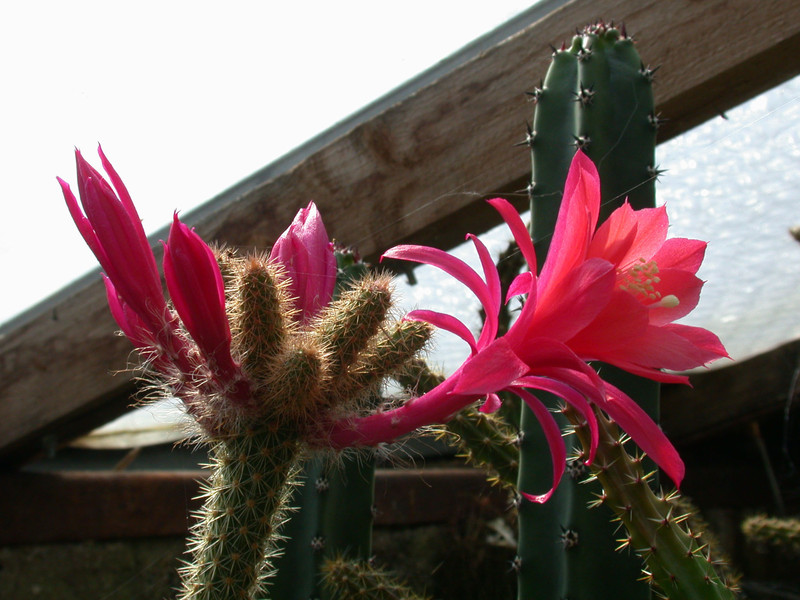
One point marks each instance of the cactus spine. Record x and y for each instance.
(356, 580)
(597, 97)
(335, 502)
(679, 563)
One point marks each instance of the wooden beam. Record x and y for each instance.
(74, 506)
(730, 397)
(413, 167)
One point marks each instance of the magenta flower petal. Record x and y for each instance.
(577, 218)
(647, 435)
(681, 253)
(644, 232)
(491, 405)
(588, 289)
(552, 434)
(128, 321)
(573, 398)
(521, 284)
(494, 368)
(451, 265)
(112, 230)
(198, 293)
(492, 278)
(518, 230)
(121, 189)
(446, 322)
(681, 285)
(621, 320)
(673, 347)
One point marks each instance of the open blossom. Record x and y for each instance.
(306, 253)
(613, 294)
(609, 295)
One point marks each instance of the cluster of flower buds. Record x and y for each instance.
(246, 340)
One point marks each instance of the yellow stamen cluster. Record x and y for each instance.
(641, 279)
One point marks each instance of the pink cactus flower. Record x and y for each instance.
(626, 283)
(306, 253)
(609, 295)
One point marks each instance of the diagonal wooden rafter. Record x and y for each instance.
(412, 167)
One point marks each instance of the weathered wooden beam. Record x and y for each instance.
(412, 167)
(729, 397)
(74, 506)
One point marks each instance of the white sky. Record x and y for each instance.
(187, 98)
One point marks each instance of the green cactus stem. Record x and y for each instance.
(235, 536)
(347, 507)
(487, 442)
(596, 97)
(552, 144)
(357, 580)
(335, 501)
(300, 377)
(678, 563)
(780, 532)
(296, 576)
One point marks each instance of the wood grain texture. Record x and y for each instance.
(74, 506)
(730, 397)
(415, 171)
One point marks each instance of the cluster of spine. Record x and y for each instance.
(779, 532)
(359, 580)
(679, 562)
(488, 442)
(301, 374)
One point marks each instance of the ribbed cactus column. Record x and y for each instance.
(597, 97)
(295, 567)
